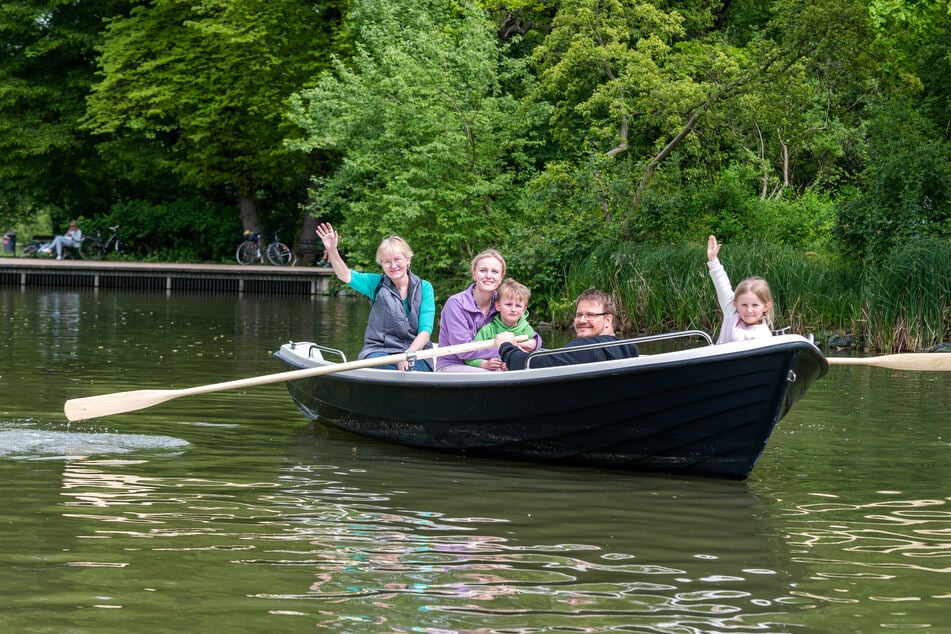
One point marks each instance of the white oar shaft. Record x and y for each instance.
(119, 402)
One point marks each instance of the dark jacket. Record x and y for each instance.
(515, 358)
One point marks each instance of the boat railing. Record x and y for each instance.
(680, 334)
(312, 347)
(667, 336)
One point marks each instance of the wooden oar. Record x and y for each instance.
(120, 402)
(923, 361)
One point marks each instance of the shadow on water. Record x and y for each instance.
(360, 536)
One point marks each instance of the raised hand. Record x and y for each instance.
(328, 236)
(713, 248)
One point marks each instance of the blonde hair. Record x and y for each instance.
(487, 253)
(511, 289)
(393, 244)
(759, 287)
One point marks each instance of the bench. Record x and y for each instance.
(309, 252)
(68, 252)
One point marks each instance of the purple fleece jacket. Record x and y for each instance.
(459, 322)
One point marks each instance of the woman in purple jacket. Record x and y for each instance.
(465, 313)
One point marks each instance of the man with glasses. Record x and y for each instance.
(594, 323)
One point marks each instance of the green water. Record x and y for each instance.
(229, 512)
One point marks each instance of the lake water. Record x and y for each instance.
(231, 512)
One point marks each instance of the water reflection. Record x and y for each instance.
(860, 531)
(229, 511)
(856, 553)
(513, 545)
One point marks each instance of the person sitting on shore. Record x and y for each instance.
(511, 302)
(71, 239)
(403, 306)
(748, 311)
(594, 323)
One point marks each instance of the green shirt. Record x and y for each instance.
(496, 326)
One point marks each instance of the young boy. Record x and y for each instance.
(511, 300)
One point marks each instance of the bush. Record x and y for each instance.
(189, 230)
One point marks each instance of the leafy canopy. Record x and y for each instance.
(428, 144)
(207, 81)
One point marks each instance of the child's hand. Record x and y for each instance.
(493, 365)
(712, 248)
(505, 337)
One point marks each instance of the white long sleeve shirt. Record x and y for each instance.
(733, 328)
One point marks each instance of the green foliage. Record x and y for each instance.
(664, 94)
(428, 145)
(186, 230)
(906, 191)
(914, 36)
(600, 66)
(570, 202)
(207, 81)
(565, 220)
(47, 66)
(730, 210)
(909, 297)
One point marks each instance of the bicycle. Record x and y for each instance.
(95, 248)
(252, 248)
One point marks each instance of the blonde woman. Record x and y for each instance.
(466, 312)
(403, 306)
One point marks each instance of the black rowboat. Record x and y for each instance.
(705, 410)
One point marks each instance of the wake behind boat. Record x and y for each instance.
(705, 411)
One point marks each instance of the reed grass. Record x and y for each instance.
(908, 303)
(902, 304)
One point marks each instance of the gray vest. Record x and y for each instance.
(389, 328)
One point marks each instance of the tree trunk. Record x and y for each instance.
(249, 214)
(308, 246)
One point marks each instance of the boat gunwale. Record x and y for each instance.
(643, 363)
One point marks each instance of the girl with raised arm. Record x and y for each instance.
(748, 310)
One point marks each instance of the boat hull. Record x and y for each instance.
(708, 412)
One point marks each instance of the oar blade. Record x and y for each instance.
(914, 361)
(116, 403)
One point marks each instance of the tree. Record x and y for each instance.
(47, 68)
(631, 80)
(902, 192)
(207, 81)
(428, 144)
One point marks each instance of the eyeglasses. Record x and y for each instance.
(589, 316)
(395, 261)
